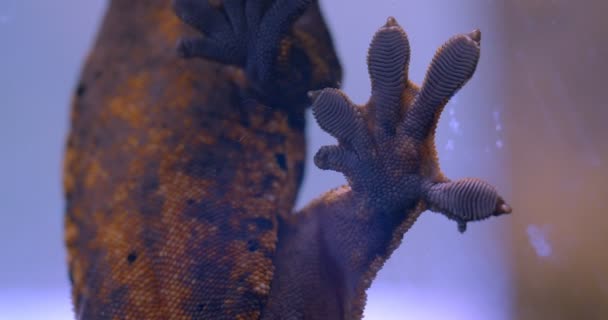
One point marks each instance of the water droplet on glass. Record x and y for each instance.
(538, 239)
(449, 145)
(455, 125)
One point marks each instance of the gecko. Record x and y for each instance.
(182, 166)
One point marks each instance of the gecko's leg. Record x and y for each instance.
(257, 36)
(386, 148)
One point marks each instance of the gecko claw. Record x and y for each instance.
(314, 94)
(391, 22)
(502, 208)
(462, 226)
(475, 35)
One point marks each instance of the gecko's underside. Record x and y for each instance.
(181, 173)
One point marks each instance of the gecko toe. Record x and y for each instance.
(337, 115)
(223, 34)
(465, 200)
(388, 61)
(336, 158)
(202, 16)
(209, 48)
(452, 66)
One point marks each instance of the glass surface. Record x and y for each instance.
(532, 121)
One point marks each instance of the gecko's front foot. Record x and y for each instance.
(257, 36)
(386, 148)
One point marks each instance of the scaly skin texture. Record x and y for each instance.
(329, 253)
(176, 169)
(180, 175)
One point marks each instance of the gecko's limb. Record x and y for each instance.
(257, 36)
(330, 251)
(386, 148)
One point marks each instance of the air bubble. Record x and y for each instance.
(499, 144)
(455, 125)
(449, 145)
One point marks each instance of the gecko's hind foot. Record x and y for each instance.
(237, 31)
(254, 35)
(223, 40)
(386, 147)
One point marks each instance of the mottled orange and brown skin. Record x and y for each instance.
(174, 176)
(181, 175)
